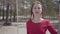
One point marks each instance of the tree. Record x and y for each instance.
(51, 7)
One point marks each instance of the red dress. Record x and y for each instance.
(40, 28)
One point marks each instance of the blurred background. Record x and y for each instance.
(14, 13)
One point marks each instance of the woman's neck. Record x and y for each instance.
(37, 17)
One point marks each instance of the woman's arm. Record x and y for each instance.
(27, 27)
(51, 29)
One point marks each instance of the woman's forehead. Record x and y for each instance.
(37, 5)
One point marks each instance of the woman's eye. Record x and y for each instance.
(38, 7)
(35, 8)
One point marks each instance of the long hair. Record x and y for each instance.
(38, 2)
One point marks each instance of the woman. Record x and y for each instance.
(38, 25)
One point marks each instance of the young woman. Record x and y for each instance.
(38, 25)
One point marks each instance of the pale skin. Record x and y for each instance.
(37, 11)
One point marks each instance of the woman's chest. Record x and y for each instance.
(38, 27)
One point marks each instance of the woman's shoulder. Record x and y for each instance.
(28, 20)
(47, 21)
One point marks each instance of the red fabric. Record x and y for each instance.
(40, 28)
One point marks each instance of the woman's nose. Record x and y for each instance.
(36, 9)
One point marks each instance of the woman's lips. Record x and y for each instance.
(36, 12)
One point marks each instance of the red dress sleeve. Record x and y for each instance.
(50, 27)
(27, 27)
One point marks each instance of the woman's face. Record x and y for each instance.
(37, 9)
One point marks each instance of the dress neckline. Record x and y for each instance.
(37, 22)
